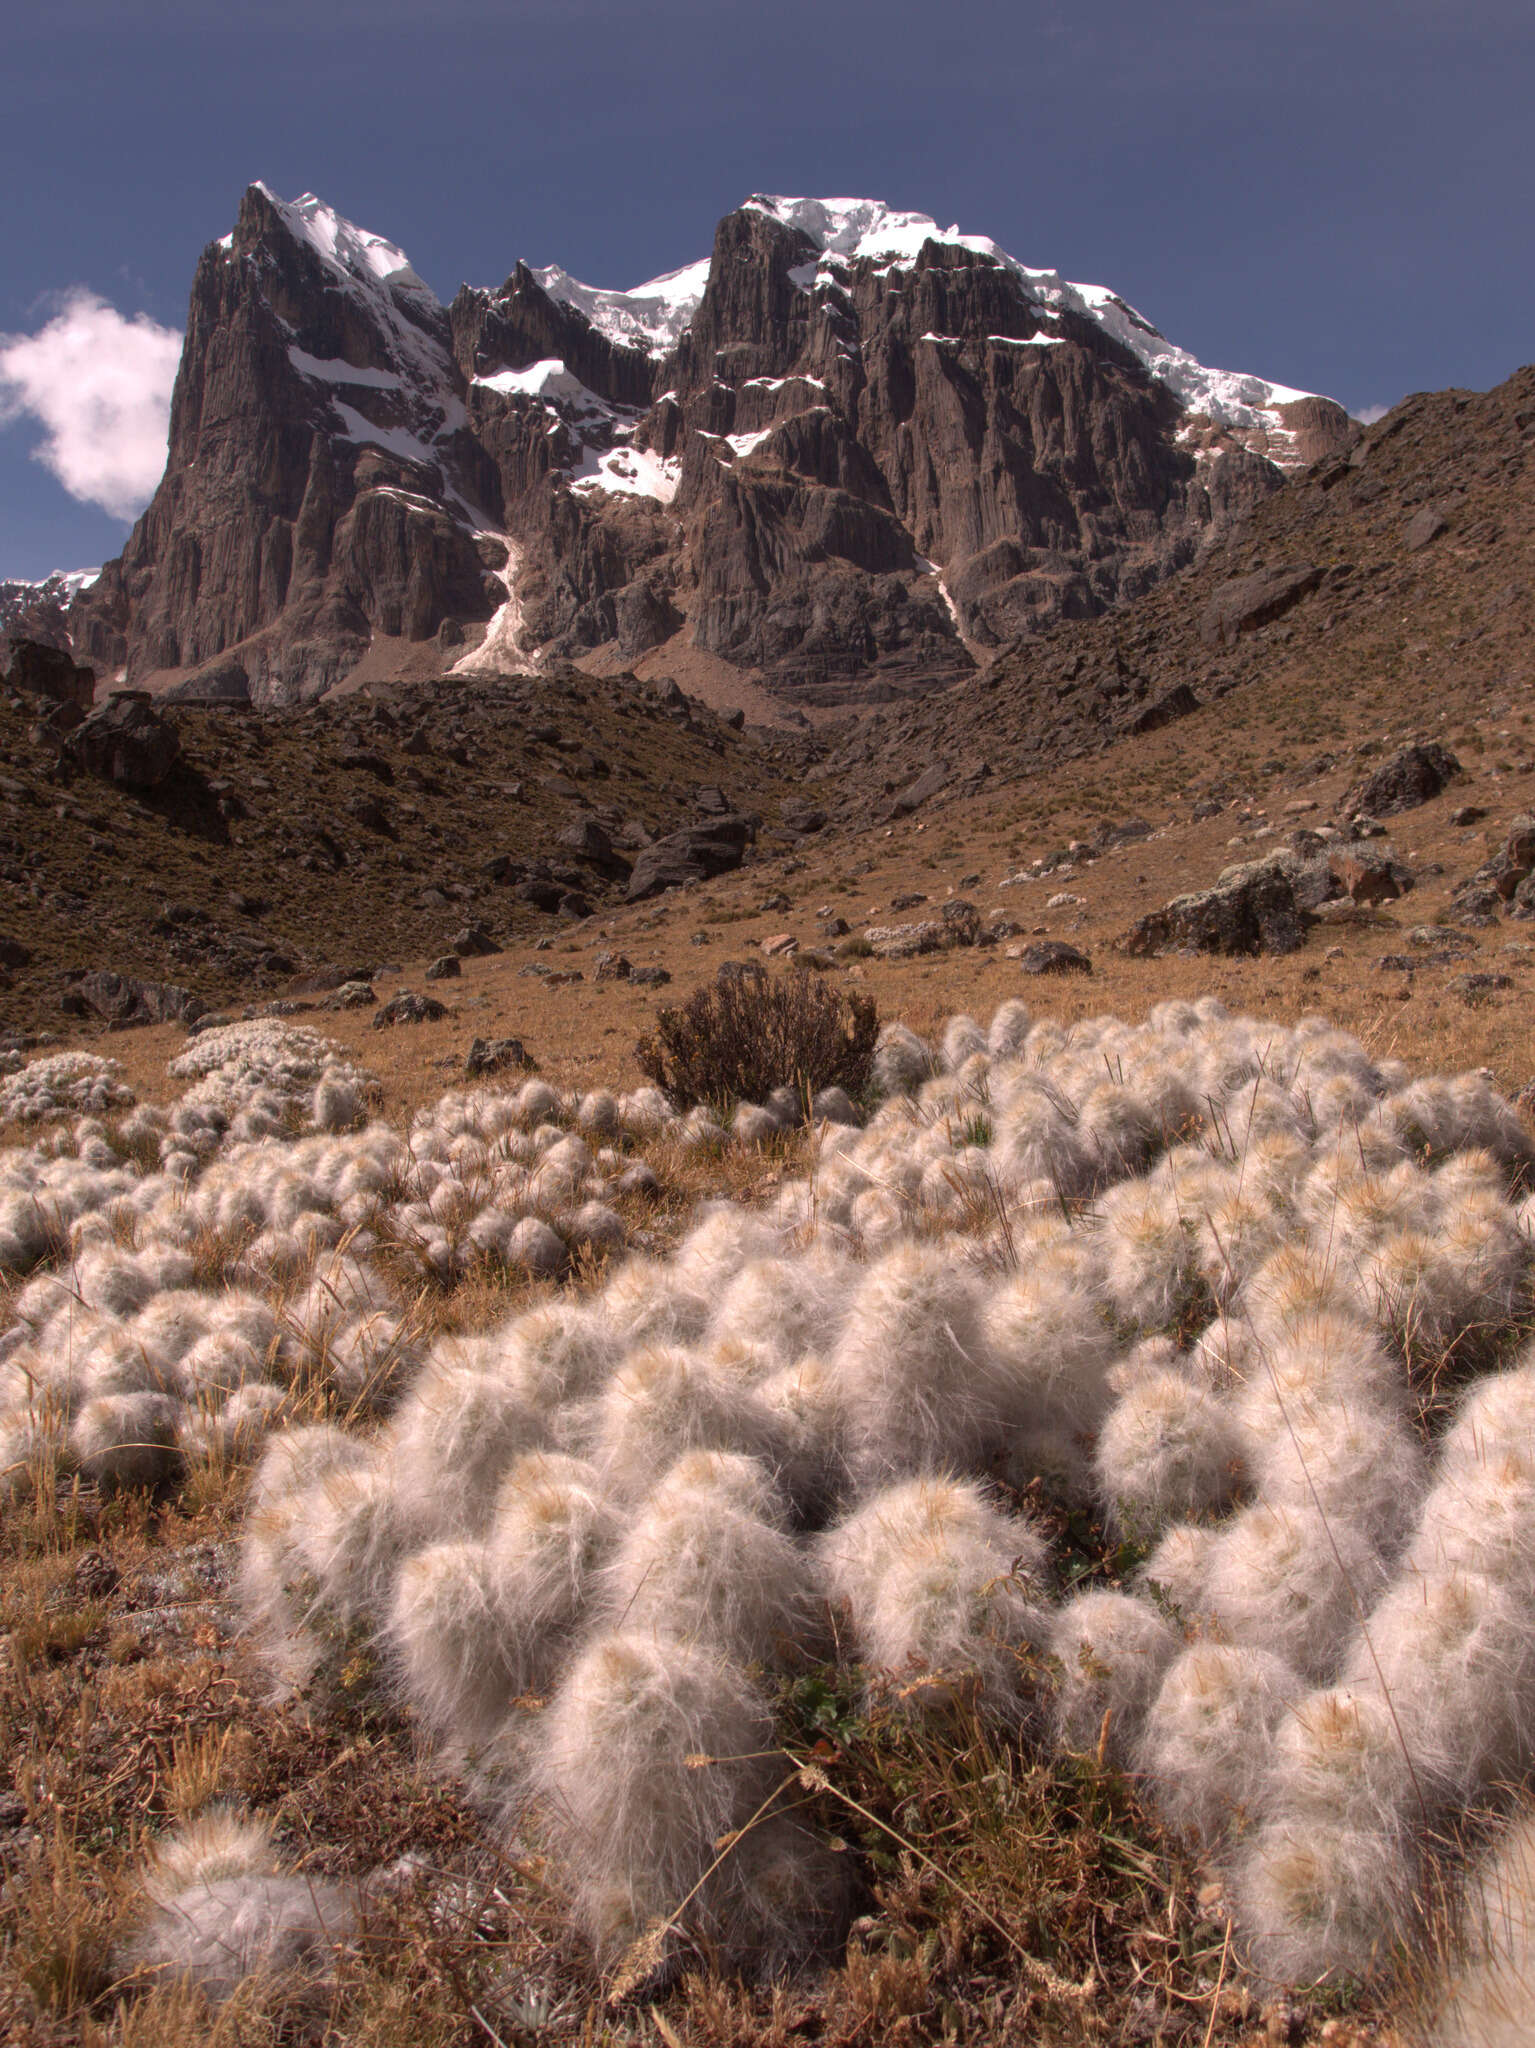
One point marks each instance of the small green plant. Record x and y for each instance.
(744, 1036)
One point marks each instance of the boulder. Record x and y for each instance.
(1054, 956)
(1248, 602)
(1412, 776)
(125, 741)
(1251, 910)
(1368, 876)
(408, 1008)
(1425, 525)
(588, 841)
(473, 943)
(50, 673)
(124, 1002)
(447, 968)
(906, 941)
(930, 783)
(695, 854)
(495, 1056)
(1166, 709)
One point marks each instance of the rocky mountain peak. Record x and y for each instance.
(846, 452)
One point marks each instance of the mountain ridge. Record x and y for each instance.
(847, 446)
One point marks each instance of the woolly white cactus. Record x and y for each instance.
(913, 1368)
(452, 1440)
(1286, 1579)
(225, 1911)
(648, 1756)
(663, 1401)
(1111, 1651)
(707, 1560)
(943, 1593)
(1169, 1451)
(1484, 2000)
(1206, 1746)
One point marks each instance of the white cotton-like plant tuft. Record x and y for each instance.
(1298, 1281)
(301, 1456)
(1454, 1655)
(1205, 1749)
(1120, 1129)
(226, 1912)
(232, 1431)
(1284, 1578)
(1347, 1461)
(700, 1563)
(1008, 1030)
(1320, 1357)
(562, 1350)
(1053, 1345)
(455, 1648)
(553, 1529)
(913, 1368)
(943, 1593)
(1323, 1899)
(126, 1440)
(646, 1302)
(1174, 1572)
(1488, 1981)
(451, 1441)
(1038, 1137)
(1110, 1651)
(649, 1755)
(1169, 1451)
(1479, 1517)
(663, 1401)
(962, 1039)
(1496, 1419)
(1147, 1249)
(1340, 1754)
(792, 1305)
(318, 1562)
(902, 1061)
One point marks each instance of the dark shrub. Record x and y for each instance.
(742, 1036)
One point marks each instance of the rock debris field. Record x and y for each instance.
(1258, 1303)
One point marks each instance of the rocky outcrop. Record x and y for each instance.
(1412, 776)
(40, 669)
(1248, 602)
(124, 1002)
(695, 854)
(125, 741)
(317, 452)
(1251, 910)
(845, 454)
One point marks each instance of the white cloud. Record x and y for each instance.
(1367, 415)
(100, 385)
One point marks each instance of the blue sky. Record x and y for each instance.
(1333, 193)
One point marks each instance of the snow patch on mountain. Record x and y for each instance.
(652, 316)
(354, 251)
(500, 652)
(853, 230)
(601, 433)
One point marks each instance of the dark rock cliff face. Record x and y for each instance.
(283, 534)
(848, 475)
